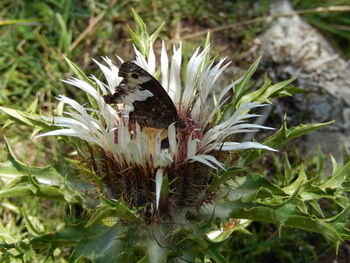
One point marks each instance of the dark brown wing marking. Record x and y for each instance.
(157, 111)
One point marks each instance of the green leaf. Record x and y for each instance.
(255, 200)
(22, 180)
(288, 172)
(266, 92)
(7, 123)
(5, 235)
(138, 41)
(33, 230)
(18, 115)
(70, 236)
(164, 193)
(18, 191)
(51, 192)
(338, 177)
(282, 136)
(109, 245)
(99, 215)
(340, 223)
(227, 228)
(35, 132)
(33, 106)
(59, 109)
(316, 206)
(297, 183)
(292, 219)
(155, 34)
(223, 177)
(65, 36)
(248, 188)
(140, 37)
(29, 119)
(13, 168)
(112, 209)
(78, 72)
(320, 161)
(242, 86)
(141, 26)
(213, 252)
(252, 96)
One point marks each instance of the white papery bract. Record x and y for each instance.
(102, 124)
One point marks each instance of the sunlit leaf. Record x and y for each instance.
(13, 168)
(282, 136)
(338, 177)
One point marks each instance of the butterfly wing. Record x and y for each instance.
(156, 109)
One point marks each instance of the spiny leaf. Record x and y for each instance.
(338, 177)
(18, 115)
(268, 215)
(99, 215)
(70, 236)
(266, 92)
(29, 119)
(14, 168)
(113, 209)
(247, 188)
(107, 245)
(242, 86)
(297, 183)
(223, 177)
(282, 136)
(30, 226)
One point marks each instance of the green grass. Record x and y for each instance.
(32, 54)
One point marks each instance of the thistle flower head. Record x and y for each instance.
(131, 159)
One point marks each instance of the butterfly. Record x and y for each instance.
(149, 103)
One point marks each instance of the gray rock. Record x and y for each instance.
(291, 47)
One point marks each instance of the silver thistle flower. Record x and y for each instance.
(133, 166)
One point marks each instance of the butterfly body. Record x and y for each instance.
(148, 103)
